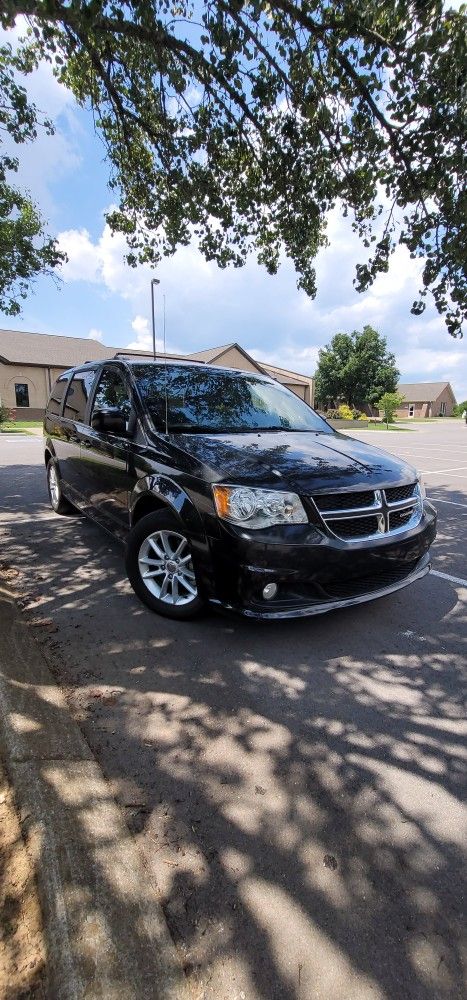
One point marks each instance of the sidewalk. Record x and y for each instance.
(105, 933)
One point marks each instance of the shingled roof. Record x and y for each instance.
(422, 392)
(21, 348)
(18, 347)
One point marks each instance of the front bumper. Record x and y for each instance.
(314, 572)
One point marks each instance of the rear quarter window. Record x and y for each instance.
(78, 394)
(58, 391)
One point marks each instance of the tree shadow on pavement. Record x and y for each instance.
(295, 788)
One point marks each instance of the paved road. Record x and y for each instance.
(296, 788)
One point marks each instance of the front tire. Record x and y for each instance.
(159, 564)
(54, 485)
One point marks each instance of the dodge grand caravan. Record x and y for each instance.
(229, 490)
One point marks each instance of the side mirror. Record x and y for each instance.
(110, 420)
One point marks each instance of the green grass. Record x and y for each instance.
(382, 427)
(421, 420)
(24, 423)
(18, 426)
(5, 429)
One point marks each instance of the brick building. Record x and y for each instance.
(426, 399)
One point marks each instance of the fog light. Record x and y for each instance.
(269, 591)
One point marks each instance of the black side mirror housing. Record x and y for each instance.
(110, 420)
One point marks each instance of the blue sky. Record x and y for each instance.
(99, 296)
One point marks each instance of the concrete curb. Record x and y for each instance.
(105, 931)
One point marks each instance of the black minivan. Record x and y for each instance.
(229, 490)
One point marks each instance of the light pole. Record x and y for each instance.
(154, 281)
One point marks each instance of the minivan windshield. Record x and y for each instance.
(200, 399)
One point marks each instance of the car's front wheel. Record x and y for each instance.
(54, 485)
(159, 563)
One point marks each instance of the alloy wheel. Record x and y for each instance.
(166, 567)
(54, 486)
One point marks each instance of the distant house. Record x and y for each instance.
(30, 363)
(426, 399)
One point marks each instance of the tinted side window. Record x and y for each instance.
(78, 395)
(56, 396)
(112, 391)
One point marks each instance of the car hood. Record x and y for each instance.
(304, 461)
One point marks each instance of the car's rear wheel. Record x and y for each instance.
(54, 485)
(159, 563)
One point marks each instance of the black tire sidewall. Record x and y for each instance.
(159, 520)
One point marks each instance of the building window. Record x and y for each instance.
(22, 394)
(442, 409)
(411, 409)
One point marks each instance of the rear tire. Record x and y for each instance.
(159, 564)
(58, 502)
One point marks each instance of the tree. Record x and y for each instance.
(4, 414)
(388, 404)
(25, 249)
(356, 368)
(459, 409)
(244, 123)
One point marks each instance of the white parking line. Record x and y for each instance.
(452, 502)
(455, 468)
(452, 579)
(454, 475)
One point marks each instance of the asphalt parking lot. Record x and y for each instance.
(297, 788)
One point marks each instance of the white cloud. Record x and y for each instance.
(49, 157)
(96, 335)
(439, 365)
(143, 341)
(302, 361)
(83, 262)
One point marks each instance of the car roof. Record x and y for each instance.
(133, 363)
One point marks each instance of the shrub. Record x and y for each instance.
(363, 416)
(345, 413)
(332, 415)
(388, 404)
(4, 414)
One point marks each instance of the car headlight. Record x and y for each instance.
(258, 508)
(421, 486)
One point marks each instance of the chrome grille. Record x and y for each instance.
(395, 493)
(353, 527)
(327, 502)
(399, 518)
(358, 515)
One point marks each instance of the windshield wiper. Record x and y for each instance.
(206, 429)
(196, 429)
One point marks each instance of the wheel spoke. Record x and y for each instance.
(151, 562)
(180, 549)
(166, 544)
(165, 586)
(154, 572)
(175, 590)
(188, 587)
(157, 550)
